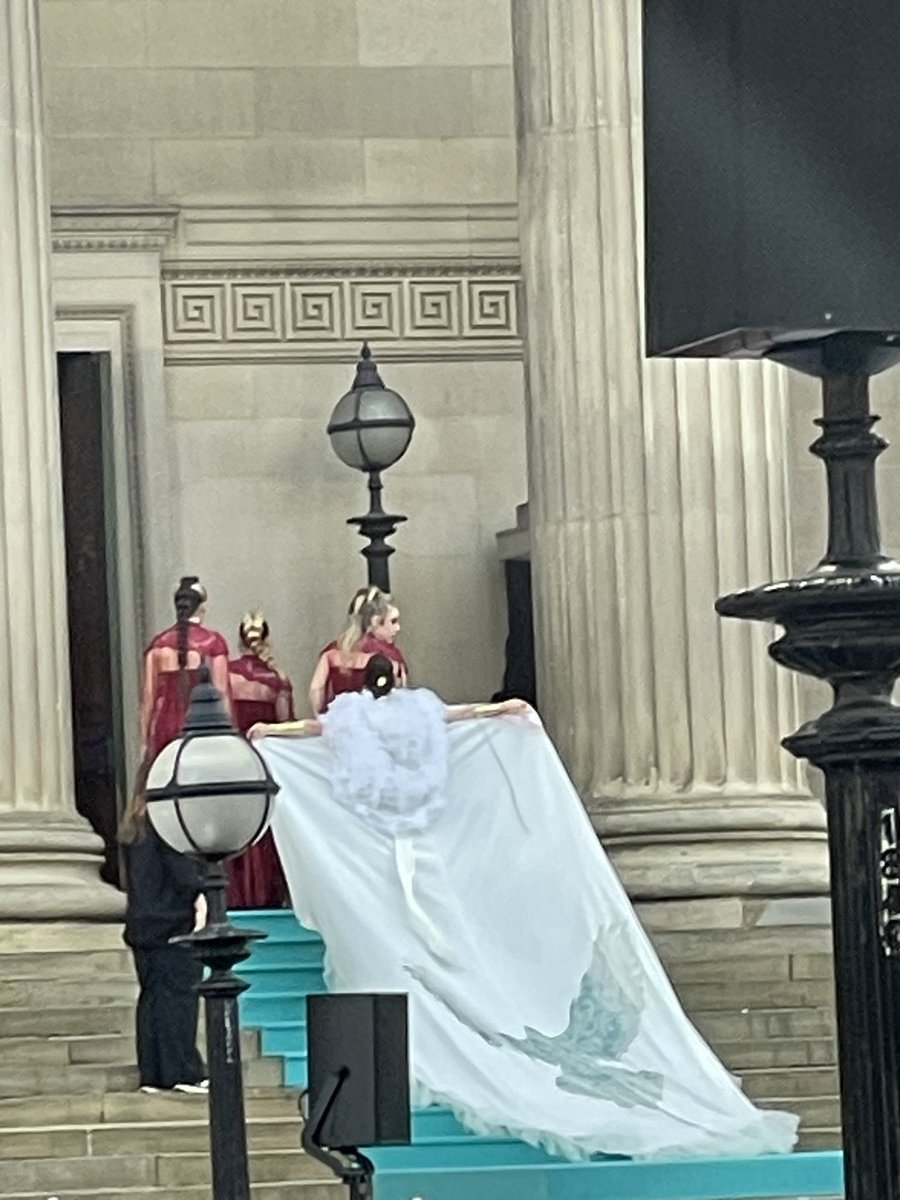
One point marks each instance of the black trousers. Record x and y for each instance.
(167, 1010)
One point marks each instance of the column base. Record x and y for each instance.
(690, 846)
(50, 870)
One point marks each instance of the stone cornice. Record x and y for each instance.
(360, 233)
(89, 228)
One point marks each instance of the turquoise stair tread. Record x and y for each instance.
(456, 1153)
(805, 1174)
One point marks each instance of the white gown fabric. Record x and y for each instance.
(457, 864)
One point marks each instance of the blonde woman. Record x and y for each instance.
(374, 624)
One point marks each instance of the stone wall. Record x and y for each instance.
(252, 460)
(279, 101)
(306, 174)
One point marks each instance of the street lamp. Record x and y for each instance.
(209, 794)
(370, 429)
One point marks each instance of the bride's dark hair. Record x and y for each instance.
(379, 676)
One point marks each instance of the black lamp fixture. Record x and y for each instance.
(755, 252)
(210, 794)
(370, 430)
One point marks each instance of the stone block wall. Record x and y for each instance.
(279, 101)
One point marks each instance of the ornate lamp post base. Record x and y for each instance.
(220, 946)
(377, 525)
(842, 624)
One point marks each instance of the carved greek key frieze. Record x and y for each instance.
(300, 314)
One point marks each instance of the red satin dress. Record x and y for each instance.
(259, 693)
(166, 693)
(350, 677)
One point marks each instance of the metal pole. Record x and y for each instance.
(842, 624)
(220, 946)
(377, 525)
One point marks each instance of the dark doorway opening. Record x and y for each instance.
(519, 677)
(94, 646)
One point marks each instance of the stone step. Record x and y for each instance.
(816, 1112)
(134, 1107)
(764, 1053)
(22, 1080)
(813, 1139)
(308, 1189)
(95, 1048)
(790, 1081)
(812, 966)
(68, 937)
(180, 1136)
(266, 1166)
(67, 966)
(24, 1021)
(147, 1170)
(745, 948)
(763, 1023)
(736, 994)
(85, 993)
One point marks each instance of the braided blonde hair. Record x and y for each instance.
(254, 635)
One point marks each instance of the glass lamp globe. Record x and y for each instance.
(209, 792)
(371, 427)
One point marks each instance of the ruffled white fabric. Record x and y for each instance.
(538, 1007)
(389, 757)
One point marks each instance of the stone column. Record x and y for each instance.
(654, 488)
(49, 857)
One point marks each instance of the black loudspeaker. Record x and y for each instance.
(772, 172)
(363, 1041)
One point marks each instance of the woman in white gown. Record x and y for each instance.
(451, 858)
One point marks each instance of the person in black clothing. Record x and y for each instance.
(164, 900)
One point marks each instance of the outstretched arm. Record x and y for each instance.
(147, 697)
(292, 729)
(465, 712)
(318, 685)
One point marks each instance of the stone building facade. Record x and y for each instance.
(243, 191)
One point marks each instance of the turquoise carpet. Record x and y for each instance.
(447, 1162)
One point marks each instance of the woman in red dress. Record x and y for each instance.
(259, 693)
(171, 666)
(374, 624)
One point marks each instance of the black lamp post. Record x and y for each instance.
(370, 429)
(209, 794)
(841, 623)
(766, 235)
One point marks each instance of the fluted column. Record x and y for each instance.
(49, 857)
(654, 487)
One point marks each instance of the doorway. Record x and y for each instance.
(95, 655)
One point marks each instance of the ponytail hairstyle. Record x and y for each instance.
(379, 676)
(254, 636)
(189, 596)
(367, 605)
